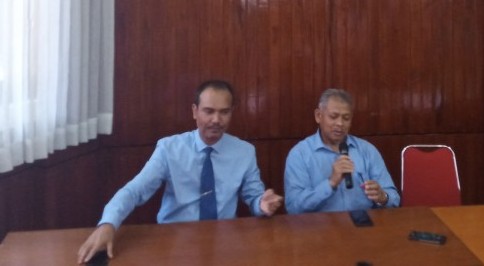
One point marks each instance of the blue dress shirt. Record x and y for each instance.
(309, 166)
(177, 161)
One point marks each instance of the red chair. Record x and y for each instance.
(429, 176)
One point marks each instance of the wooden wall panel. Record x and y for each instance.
(55, 193)
(4, 227)
(69, 193)
(21, 201)
(426, 56)
(415, 68)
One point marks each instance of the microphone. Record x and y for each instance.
(343, 150)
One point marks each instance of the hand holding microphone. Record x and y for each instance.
(343, 150)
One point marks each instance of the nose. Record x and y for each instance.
(216, 118)
(339, 122)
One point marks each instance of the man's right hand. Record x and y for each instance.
(342, 165)
(101, 239)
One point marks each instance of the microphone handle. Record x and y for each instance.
(348, 180)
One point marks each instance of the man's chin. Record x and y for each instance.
(212, 138)
(338, 138)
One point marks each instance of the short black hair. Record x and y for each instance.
(214, 84)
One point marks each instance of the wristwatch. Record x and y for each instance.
(379, 204)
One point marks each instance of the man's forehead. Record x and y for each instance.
(339, 107)
(212, 97)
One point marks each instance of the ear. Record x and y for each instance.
(317, 115)
(194, 111)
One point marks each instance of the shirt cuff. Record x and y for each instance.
(106, 219)
(257, 211)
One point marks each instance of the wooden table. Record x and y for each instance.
(467, 223)
(308, 239)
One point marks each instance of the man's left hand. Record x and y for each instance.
(375, 193)
(270, 202)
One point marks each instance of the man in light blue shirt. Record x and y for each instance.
(177, 162)
(314, 173)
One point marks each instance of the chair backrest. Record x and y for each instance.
(429, 176)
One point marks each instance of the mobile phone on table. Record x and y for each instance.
(427, 237)
(101, 258)
(361, 218)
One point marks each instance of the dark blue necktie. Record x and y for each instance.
(208, 202)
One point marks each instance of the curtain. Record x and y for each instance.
(56, 76)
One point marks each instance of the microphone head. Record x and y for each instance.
(343, 147)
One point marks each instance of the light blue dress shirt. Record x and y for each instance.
(177, 161)
(309, 166)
